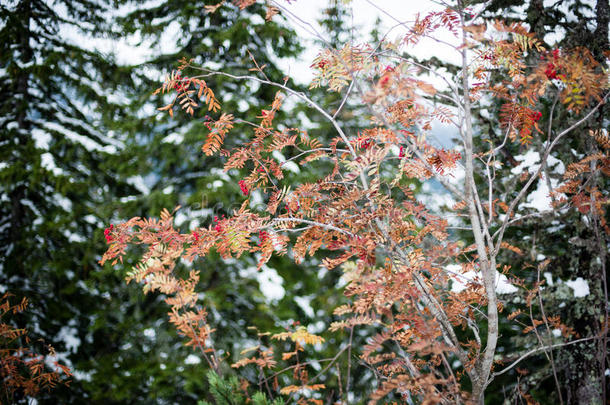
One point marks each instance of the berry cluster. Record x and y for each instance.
(243, 187)
(218, 227)
(536, 115)
(401, 154)
(207, 121)
(107, 233)
(182, 83)
(551, 67)
(263, 236)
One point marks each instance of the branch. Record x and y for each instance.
(299, 94)
(536, 350)
(544, 158)
(314, 223)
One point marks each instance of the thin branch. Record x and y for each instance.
(544, 158)
(349, 361)
(299, 94)
(548, 330)
(537, 350)
(349, 90)
(314, 223)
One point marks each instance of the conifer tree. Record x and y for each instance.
(53, 171)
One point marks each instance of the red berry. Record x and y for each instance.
(550, 71)
(107, 232)
(536, 116)
(243, 187)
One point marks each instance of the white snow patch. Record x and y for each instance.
(549, 278)
(174, 138)
(81, 376)
(540, 199)
(434, 200)
(530, 161)
(85, 141)
(139, 184)
(63, 202)
(74, 237)
(503, 286)
(461, 280)
(256, 199)
(92, 219)
(291, 167)
(48, 162)
(180, 218)
(150, 333)
(580, 287)
(269, 281)
(192, 359)
(305, 304)
(42, 139)
(217, 171)
(68, 334)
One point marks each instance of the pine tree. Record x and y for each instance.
(53, 175)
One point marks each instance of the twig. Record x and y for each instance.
(349, 361)
(319, 224)
(534, 176)
(536, 350)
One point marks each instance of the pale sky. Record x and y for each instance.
(303, 14)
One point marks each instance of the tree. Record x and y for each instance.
(66, 127)
(162, 158)
(54, 175)
(577, 367)
(432, 342)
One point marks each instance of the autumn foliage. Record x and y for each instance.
(362, 217)
(23, 372)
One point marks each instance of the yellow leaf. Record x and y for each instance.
(301, 335)
(250, 349)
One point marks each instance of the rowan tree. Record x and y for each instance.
(429, 342)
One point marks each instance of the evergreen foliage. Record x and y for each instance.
(226, 391)
(54, 173)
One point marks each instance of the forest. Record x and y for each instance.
(304, 202)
